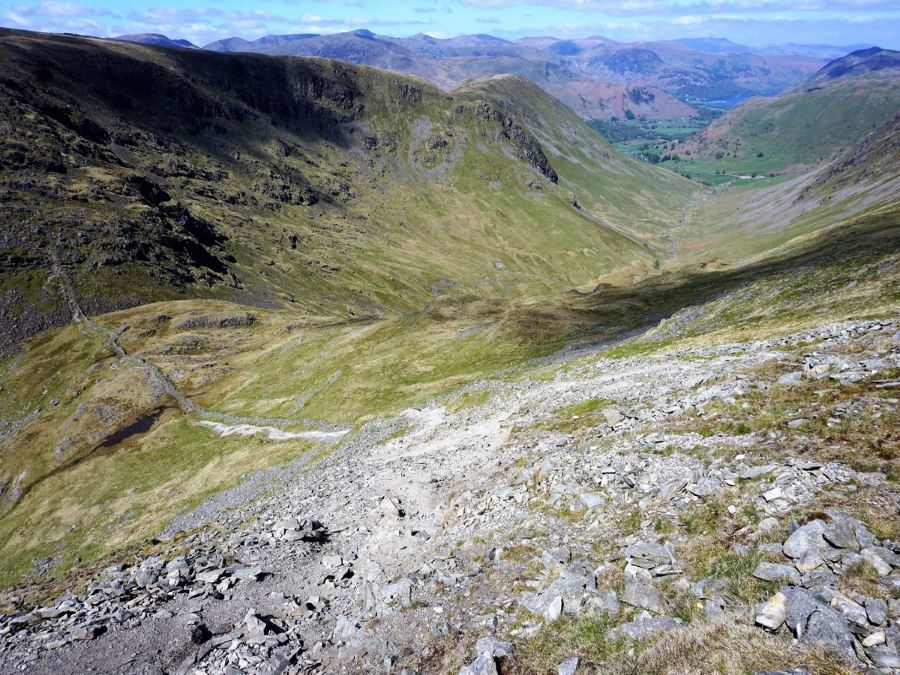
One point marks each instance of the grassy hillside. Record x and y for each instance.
(795, 130)
(751, 219)
(276, 181)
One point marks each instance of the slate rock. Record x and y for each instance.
(828, 627)
(883, 657)
(777, 572)
(800, 604)
(875, 639)
(706, 487)
(643, 595)
(638, 630)
(850, 610)
(85, 633)
(603, 601)
(756, 471)
(497, 648)
(841, 534)
(773, 613)
(568, 667)
(612, 416)
(648, 554)
(876, 610)
(483, 665)
(806, 541)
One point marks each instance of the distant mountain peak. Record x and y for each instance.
(157, 40)
(859, 62)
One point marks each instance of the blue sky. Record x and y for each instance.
(754, 22)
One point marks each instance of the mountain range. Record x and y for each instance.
(597, 77)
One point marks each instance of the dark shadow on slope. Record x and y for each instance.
(619, 313)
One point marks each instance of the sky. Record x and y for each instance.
(750, 22)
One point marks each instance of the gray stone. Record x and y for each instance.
(247, 572)
(773, 494)
(767, 525)
(643, 595)
(757, 471)
(638, 630)
(603, 601)
(287, 524)
(592, 500)
(849, 609)
(883, 657)
(876, 610)
(483, 665)
(211, 576)
(85, 633)
(827, 626)
(612, 416)
(794, 377)
(777, 572)
(254, 626)
(706, 487)
(875, 639)
(800, 604)
(555, 557)
(806, 541)
(495, 647)
(841, 533)
(568, 667)
(648, 554)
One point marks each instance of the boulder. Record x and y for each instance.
(883, 657)
(483, 665)
(777, 572)
(495, 647)
(876, 610)
(806, 542)
(800, 604)
(828, 627)
(773, 613)
(643, 595)
(568, 667)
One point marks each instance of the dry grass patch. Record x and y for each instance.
(727, 647)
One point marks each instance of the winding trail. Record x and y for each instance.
(161, 382)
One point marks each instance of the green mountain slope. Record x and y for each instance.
(803, 127)
(338, 189)
(752, 219)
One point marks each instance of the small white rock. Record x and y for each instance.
(874, 639)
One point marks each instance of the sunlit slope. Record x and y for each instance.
(803, 127)
(286, 181)
(754, 219)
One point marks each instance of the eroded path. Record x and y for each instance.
(592, 491)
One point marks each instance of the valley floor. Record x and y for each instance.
(628, 515)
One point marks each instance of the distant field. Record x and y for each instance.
(656, 142)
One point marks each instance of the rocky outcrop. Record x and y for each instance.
(525, 145)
